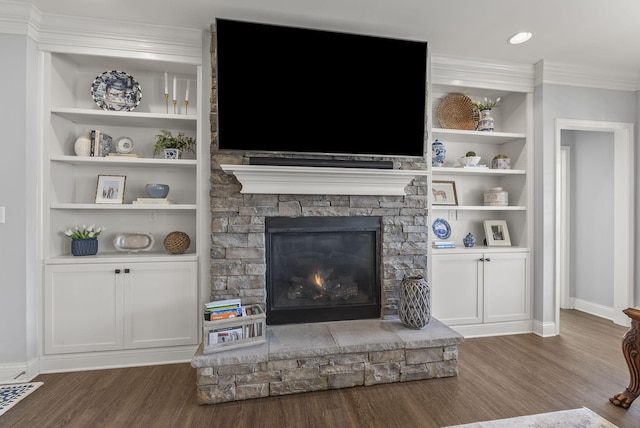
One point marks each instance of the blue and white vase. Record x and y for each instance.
(469, 240)
(486, 121)
(438, 153)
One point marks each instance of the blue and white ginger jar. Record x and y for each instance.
(438, 153)
(469, 240)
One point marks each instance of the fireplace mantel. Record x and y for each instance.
(272, 179)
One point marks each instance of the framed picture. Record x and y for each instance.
(110, 189)
(497, 233)
(444, 193)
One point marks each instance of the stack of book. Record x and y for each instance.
(473, 166)
(223, 309)
(444, 244)
(101, 143)
(153, 201)
(124, 155)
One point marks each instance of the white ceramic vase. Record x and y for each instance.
(82, 146)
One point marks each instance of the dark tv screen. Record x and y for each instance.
(294, 90)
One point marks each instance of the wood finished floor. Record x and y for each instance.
(500, 377)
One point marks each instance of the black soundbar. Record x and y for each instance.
(320, 163)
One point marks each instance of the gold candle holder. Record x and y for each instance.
(186, 106)
(166, 101)
(174, 106)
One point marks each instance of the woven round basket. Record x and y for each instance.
(457, 111)
(177, 242)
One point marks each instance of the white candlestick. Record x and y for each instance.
(175, 88)
(186, 97)
(166, 83)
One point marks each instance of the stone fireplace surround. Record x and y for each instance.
(310, 357)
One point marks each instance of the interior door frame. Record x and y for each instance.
(623, 216)
(565, 230)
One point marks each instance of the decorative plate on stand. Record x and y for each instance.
(441, 228)
(116, 91)
(457, 111)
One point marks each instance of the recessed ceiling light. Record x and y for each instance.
(518, 38)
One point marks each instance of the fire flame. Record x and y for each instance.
(317, 278)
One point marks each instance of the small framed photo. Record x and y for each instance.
(444, 193)
(497, 233)
(110, 189)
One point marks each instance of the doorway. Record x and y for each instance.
(623, 214)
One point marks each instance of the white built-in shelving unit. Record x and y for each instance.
(485, 290)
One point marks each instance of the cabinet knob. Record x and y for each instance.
(117, 270)
(127, 270)
(487, 259)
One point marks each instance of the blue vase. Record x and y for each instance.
(84, 246)
(469, 240)
(438, 153)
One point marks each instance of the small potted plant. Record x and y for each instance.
(469, 159)
(84, 240)
(501, 161)
(173, 146)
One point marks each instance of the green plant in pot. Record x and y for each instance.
(501, 161)
(168, 143)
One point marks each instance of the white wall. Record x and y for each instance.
(591, 222)
(18, 194)
(563, 102)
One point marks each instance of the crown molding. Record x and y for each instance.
(58, 33)
(20, 19)
(589, 77)
(474, 72)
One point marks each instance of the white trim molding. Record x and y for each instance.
(449, 70)
(19, 19)
(98, 36)
(586, 77)
(296, 180)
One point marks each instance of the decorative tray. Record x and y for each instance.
(116, 91)
(457, 111)
(133, 242)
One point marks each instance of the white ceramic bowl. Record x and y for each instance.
(469, 160)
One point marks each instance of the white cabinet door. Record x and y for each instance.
(82, 308)
(103, 307)
(506, 287)
(456, 288)
(161, 306)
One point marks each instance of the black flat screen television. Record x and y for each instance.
(294, 90)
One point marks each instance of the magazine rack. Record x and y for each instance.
(237, 332)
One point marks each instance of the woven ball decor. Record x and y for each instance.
(457, 111)
(414, 306)
(177, 242)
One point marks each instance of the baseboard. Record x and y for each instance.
(593, 308)
(18, 373)
(494, 329)
(116, 359)
(544, 329)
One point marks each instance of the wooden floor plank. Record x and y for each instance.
(499, 377)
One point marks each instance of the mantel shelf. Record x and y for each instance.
(270, 179)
